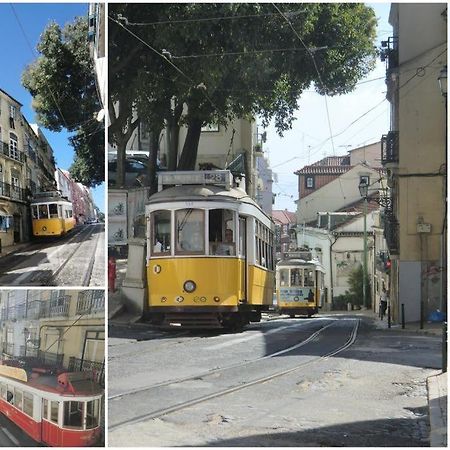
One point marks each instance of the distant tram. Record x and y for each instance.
(210, 253)
(299, 286)
(57, 410)
(52, 214)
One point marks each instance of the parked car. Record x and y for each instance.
(136, 172)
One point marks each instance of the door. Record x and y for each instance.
(243, 251)
(16, 227)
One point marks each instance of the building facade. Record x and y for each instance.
(414, 154)
(57, 328)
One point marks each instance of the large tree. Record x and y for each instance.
(63, 85)
(200, 63)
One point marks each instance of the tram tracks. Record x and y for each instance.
(243, 384)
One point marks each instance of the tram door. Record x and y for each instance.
(50, 428)
(243, 254)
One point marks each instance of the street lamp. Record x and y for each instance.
(363, 190)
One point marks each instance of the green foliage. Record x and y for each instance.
(236, 67)
(355, 281)
(62, 83)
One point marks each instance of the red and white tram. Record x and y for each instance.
(59, 410)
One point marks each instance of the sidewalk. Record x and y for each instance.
(13, 248)
(437, 404)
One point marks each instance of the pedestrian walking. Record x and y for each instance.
(383, 302)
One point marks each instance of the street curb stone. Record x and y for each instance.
(437, 404)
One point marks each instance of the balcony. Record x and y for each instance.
(391, 231)
(7, 348)
(389, 148)
(91, 302)
(97, 369)
(12, 153)
(59, 307)
(12, 192)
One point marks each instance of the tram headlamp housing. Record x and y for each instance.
(189, 286)
(217, 299)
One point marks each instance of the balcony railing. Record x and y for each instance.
(12, 153)
(96, 369)
(12, 192)
(43, 359)
(90, 302)
(389, 147)
(59, 306)
(391, 231)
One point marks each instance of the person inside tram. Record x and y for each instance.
(227, 246)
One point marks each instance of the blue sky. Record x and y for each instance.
(309, 139)
(19, 50)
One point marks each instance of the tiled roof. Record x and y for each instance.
(283, 216)
(323, 170)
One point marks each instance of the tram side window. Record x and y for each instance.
(17, 400)
(34, 212)
(3, 390)
(221, 232)
(160, 223)
(92, 414)
(54, 407)
(43, 212)
(73, 414)
(9, 394)
(28, 404)
(190, 231)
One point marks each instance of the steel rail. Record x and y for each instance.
(88, 274)
(223, 392)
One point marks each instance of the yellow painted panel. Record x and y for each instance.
(214, 277)
(261, 286)
(53, 227)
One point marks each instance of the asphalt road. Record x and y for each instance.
(326, 381)
(77, 259)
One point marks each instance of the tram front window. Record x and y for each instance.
(309, 278)
(160, 234)
(92, 413)
(284, 277)
(221, 236)
(43, 211)
(296, 277)
(190, 231)
(53, 210)
(73, 414)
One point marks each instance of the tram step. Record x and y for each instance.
(191, 321)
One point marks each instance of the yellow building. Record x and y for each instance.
(414, 155)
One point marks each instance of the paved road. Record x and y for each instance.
(371, 392)
(77, 259)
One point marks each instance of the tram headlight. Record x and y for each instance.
(189, 286)
(156, 268)
(217, 299)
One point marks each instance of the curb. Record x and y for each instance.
(437, 411)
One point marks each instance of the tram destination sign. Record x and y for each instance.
(201, 177)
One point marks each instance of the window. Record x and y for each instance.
(6, 222)
(284, 277)
(54, 408)
(13, 147)
(309, 278)
(43, 211)
(297, 277)
(160, 232)
(17, 399)
(190, 231)
(364, 179)
(53, 210)
(73, 414)
(92, 414)
(309, 182)
(221, 232)
(12, 111)
(28, 404)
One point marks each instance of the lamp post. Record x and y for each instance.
(363, 190)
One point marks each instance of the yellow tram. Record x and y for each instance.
(299, 286)
(209, 253)
(51, 214)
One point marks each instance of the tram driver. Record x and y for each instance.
(227, 246)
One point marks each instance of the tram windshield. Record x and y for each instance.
(190, 231)
(43, 211)
(53, 210)
(296, 277)
(221, 232)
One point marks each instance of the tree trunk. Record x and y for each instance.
(152, 161)
(173, 136)
(120, 168)
(190, 149)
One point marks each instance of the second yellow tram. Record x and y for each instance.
(209, 253)
(52, 214)
(299, 286)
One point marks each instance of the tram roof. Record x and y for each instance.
(40, 200)
(298, 262)
(200, 192)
